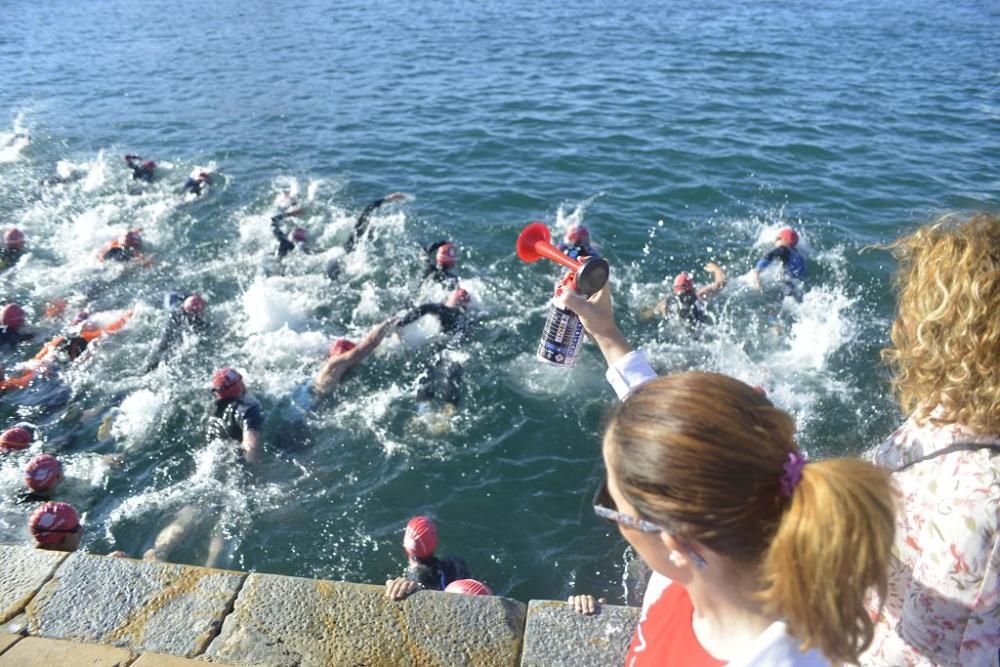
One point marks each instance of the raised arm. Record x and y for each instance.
(361, 226)
(718, 281)
(598, 317)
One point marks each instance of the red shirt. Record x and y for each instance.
(664, 636)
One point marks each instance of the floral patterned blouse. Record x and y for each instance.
(943, 602)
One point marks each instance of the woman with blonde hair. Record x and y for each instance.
(943, 603)
(758, 558)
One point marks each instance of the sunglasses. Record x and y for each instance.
(605, 507)
(75, 529)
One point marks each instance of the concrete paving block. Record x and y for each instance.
(140, 605)
(7, 640)
(162, 660)
(556, 635)
(23, 570)
(41, 652)
(291, 621)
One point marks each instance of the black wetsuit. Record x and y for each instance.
(359, 231)
(9, 339)
(285, 246)
(9, 257)
(119, 253)
(140, 172)
(454, 322)
(229, 417)
(689, 308)
(195, 186)
(178, 324)
(436, 573)
(439, 274)
(441, 378)
(361, 226)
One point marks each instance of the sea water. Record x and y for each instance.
(678, 133)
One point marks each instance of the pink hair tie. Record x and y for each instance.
(793, 473)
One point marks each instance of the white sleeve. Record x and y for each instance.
(629, 373)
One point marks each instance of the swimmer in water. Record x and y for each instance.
(361, 229)
(792, 262)
(235, 414)
(688, 301)
(64, 347)
(176, 531)
(345, 355)
(424, 571)
(56, 527)
(298, 236)
(11, 321)
(441, 259)
(141, 170)
(125, 249)
(576, 243)
(441, 380)
(12, 248)
(196, 183)
(187, 317)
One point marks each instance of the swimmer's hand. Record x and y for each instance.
(587, 605)
(400, 587)
(396, 196)
(598, 318)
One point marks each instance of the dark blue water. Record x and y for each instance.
(677, 134)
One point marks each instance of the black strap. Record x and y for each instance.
(956, 447)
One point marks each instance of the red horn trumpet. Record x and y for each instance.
(535, 242)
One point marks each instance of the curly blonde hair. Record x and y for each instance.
(946, 335)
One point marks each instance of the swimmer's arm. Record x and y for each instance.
(598, 318)
(251, 446)
(361, 226)
(111, 328)
(369, 342)
(416, 314)
(718, 281)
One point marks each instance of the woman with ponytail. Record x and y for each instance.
(759, 558)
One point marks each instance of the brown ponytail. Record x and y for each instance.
(704, 453)
(832, 545)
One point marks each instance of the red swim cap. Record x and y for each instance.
(227, 383)
(149, 164)
(193, 305)
(446, 255)
(340, 346)
(12, 316)
(51, 521)
(14, 439)
(421, 537)
(42, 473)
(683, 283)
(459, 297)
(299, 235)
(576, 234)
(132, 239)
(789, 236)
(468, 587)
(13, 238)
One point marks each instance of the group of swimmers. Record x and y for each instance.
(236, 415)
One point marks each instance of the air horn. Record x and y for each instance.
(563, 333)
